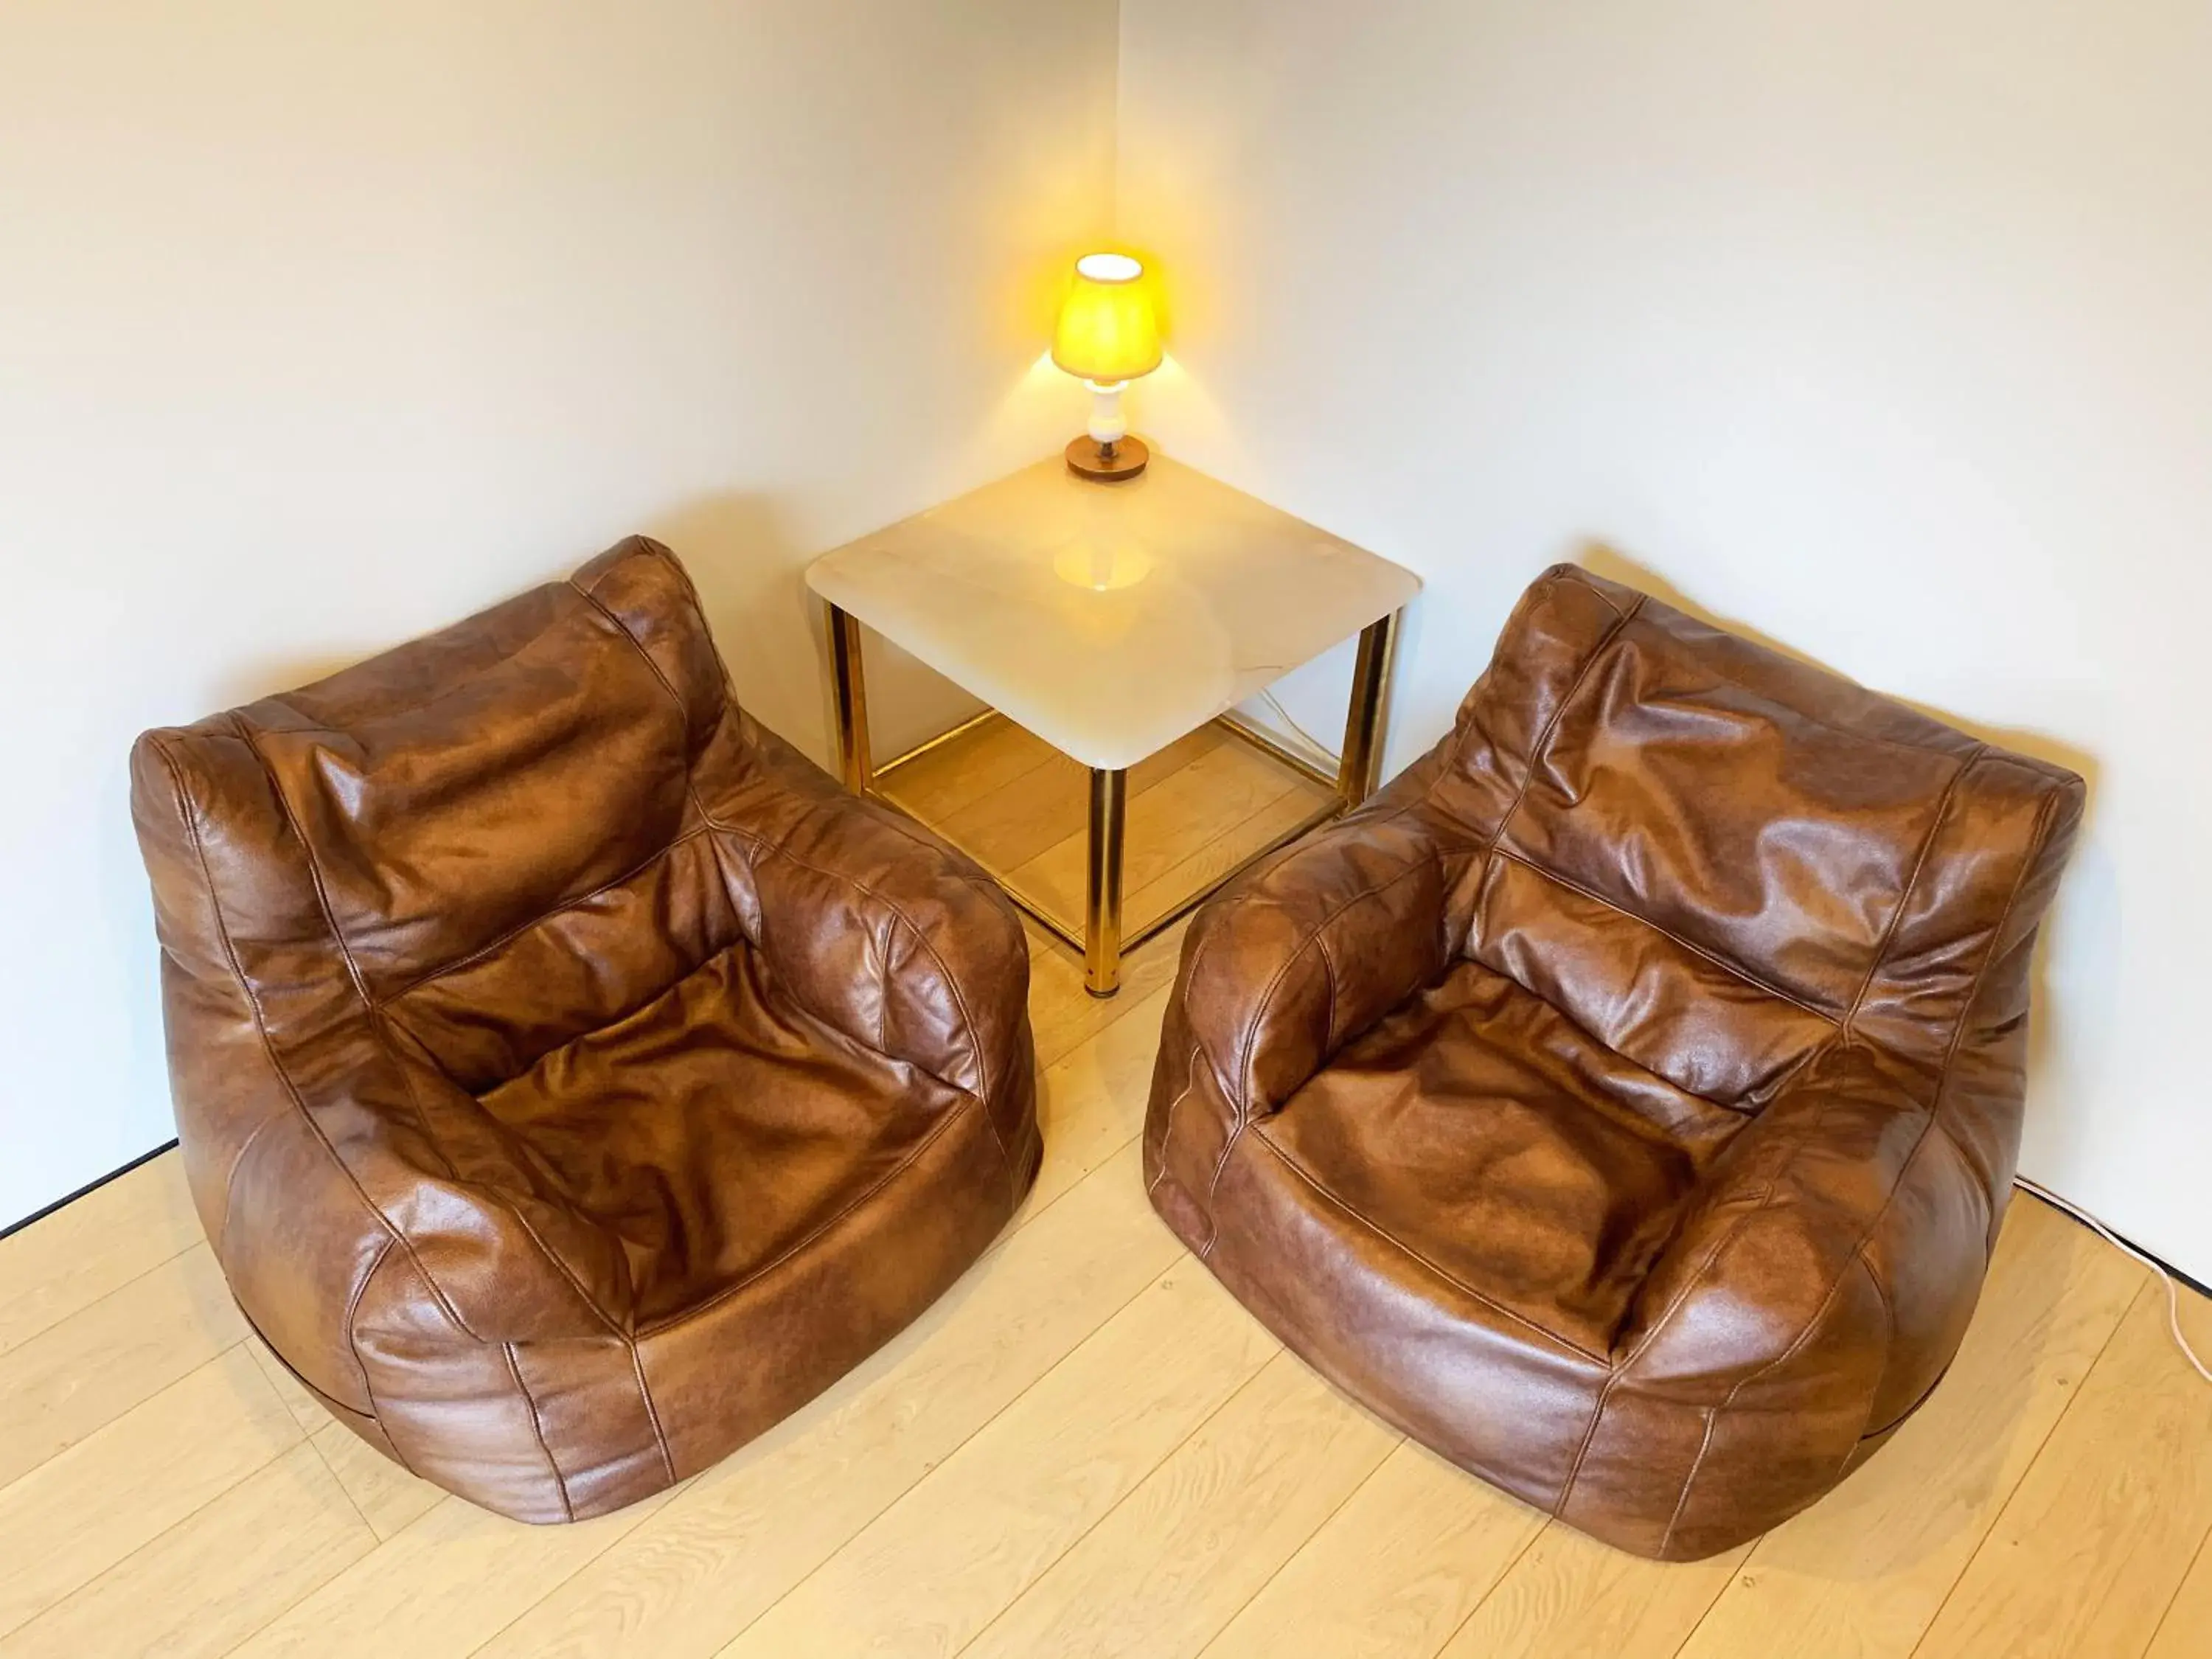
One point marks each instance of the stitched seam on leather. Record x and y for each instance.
(1888, 1347)
(1189, 978)
(883, 989)
(652, 1412)
(960, 1001)
(276, 1065)
(537, 1428)
(683, 710)
(1855, 1257)
(807, 1240)
(760, 843)
(353, 1347)
(1167, 1118)
(1262, 1138)
(1868, 1431)
(1943, 1080)
(1542, 746)
(1734, 971)
(230, 1182)
(1682, 1498)
(1728, 1402)
(1243, 1100)
(1465, 736)
(990, 1119)
(1585, 1033)
(1912, 883)
(1593, 589)
(592, 598)
(562, 908)
(1951, 1054)
(337, 935)
(1328, 1003)
(307, 857)
(1242, 1103)
(1766, 1196)
(559, 1265)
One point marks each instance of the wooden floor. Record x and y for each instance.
(1086, 1448)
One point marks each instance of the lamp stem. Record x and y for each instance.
(1108, 425)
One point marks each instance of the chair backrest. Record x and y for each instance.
(489, 836)
(1716, 859)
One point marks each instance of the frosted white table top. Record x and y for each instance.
(1110, 619)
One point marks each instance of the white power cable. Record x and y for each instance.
(1316, 747)
(2172, 1290)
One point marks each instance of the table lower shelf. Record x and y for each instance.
(1197, 812)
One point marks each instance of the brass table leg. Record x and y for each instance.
(1101, 885)
(1363, 725)
(852, 699)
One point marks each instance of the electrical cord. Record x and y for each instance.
(1315, 748)
(2172, 1290)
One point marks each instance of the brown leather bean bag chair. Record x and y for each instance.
(573, 1081)
(1624, 1103)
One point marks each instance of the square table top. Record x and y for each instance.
(1110, 619)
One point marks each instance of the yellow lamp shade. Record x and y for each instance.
(1107, 331)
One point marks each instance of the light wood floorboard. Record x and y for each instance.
(1169, 1566)
(2090, 1552)
(1393, 1573)
(72, 1258)
(1086, 1448)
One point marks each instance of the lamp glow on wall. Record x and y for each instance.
(1107, 336)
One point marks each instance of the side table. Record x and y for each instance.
(1110, 620)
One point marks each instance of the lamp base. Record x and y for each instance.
(1124, 458)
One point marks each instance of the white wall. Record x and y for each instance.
(323, 326)
(1883, 329)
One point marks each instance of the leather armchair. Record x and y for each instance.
(571, 1080)
(1624, 1101)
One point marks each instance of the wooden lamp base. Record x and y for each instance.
(1108, 463)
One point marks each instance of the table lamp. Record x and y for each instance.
(1107, 336)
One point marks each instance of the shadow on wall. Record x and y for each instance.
(751, 572)
(272, 677)
(752, 586)
(1616, 566)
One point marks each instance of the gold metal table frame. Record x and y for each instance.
(1101, 942)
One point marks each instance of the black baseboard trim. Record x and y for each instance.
(2180, 1277)
(88, 1186)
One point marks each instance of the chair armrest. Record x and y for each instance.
(882, 930)
(1285, 968)
(1846, 1199)
(1812, 1298)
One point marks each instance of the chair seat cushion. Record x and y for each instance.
(717, 1129)
(1490, 1140)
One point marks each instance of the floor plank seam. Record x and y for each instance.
(553, 1589)
(314, 1439)
(1283, 1565)
(1719, 1591)
(183, 1519)
(2179, 1584)
(1504, 1573)
(951, 1452)
(1135, 1485)
(1996, 1520)
(997, 1245)
(112, 1290)
(1141, 915)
